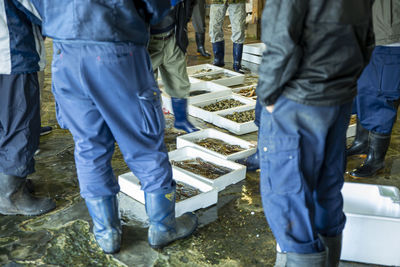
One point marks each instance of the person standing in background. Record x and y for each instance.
(199, 24)
(316, 50)
(237, 16)
(378, 96)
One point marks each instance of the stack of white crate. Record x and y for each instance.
(253, 52)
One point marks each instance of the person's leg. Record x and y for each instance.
(138, 127)
(329, 216)
(217, 16)
(199, 24)
(176, 82)
(19, 139)
(292, 142)
(94, 143)
(377, 102)
(237, 16)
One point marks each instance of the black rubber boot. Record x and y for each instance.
(179, 106)
(164, 227)
(15, 198)
(306, 260)
(219, 53)
(237, 57)
(333, 247)
(106, 222)
(360, 143)
(200, 37)
(375, 161)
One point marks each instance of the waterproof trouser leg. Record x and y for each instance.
(179, 106)
(219, 53)
(306, 260)
(164, 227)
(129, 114)
(360, 143)
(302, 172)
(201, 50)
(15, 198)
(106, 222)
(237, 57)
(375, 161)
(333, 248)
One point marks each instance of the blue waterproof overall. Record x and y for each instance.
(302, 160)
(106, 93)
(378, 88)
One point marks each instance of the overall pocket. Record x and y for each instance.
(281, 158)
(150, 106)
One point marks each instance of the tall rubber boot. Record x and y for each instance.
(201, 50)
(281, 259)
(306, 260)
(15, 198)
(375, 161)
(219, 53)
(106, 222)
(333, 247)
(237, 57)
(179, 106)
(164, 227)
(360, 143)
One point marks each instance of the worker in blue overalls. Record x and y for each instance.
(316, 49)
(21, 57)
(105, 92)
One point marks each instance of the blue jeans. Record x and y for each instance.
(378, 88)
(106, 93)
(302, 162)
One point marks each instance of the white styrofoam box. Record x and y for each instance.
(351, 131)
(252, 58)
(235, 78)
(216, 90)
(193, 70)
(237, 90)
(219, 120)
(191, 138)
(195, 109)
(129, 185)
(255, 49)
(237, 174)
(372, 230)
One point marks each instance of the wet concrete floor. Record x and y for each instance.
(232, 233)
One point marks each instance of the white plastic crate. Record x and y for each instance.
(252, 58)
(219, 120)
(255, 49)
(233, 79)
(351, 131)
(237, 174)
(216, 90)
(195, 109)
(197, 69)
(238, 89)
(191, 138)
(129, 185)
(372, 230)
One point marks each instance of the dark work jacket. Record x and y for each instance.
(183, 13)
(316, 49)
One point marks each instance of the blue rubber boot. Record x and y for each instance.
(106, 222)
(306, 260)
(164, 227)
(252, 162)
(179, 106)
(237, 57)
(219, 53)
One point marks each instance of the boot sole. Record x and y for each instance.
(28, 214)
(362, 177)
(159, 247)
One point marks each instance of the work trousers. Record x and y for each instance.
(19, 123)
(199, 16)
(302, 162)
(170, 60)
(106, 93)
(237, 16)
(378, 89)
